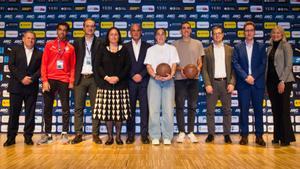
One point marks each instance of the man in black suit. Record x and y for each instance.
(138, 82)
(86, 48)
(24, 65)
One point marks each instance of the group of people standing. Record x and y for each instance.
(115, 76)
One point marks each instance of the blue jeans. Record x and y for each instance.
(161, 95)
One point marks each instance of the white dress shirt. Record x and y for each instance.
(136, 48)
(249, 48)
(219, 54)
(28, 54)
(87, 62)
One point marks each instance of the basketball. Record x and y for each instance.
(163, 69)
(190, 71)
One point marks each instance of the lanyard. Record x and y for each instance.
(88, 49)
(61, 52)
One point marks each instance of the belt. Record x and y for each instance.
(220, 79)
(87, 76)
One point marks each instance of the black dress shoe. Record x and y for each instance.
(77, 139)
(109, 141)
(227, 139)
(244, 140)
(145, 140)
(260, 141)
(130, 140)
(209, 138)
(119, 141)
(275, 141)
(28, 141)
(284, 144)
(96, 139)
(9, 142)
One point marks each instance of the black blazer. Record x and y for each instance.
(79, 45)
(138, 66)
(18, 70)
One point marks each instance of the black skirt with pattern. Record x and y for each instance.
(112, 105)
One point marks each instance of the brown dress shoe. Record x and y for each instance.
(244, 140)
(260, 141)
(77, 139)
(96, 139)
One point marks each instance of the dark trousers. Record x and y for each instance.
(219, 92)
(186, 89)
(86, 85)
(280, 103)
(15, 108)
(138, 92)
(255, 96)
(63, 91)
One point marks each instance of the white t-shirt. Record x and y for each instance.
(158, 54)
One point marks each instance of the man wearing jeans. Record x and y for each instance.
(57, 73)
(190, 51)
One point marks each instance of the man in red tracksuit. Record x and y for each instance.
(57, 74)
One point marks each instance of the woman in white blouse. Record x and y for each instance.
(161, 91)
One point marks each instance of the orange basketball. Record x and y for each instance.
(163, 69)
(190, 71)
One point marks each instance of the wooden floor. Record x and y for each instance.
(187, 155)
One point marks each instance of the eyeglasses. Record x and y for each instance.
(218, 33)
(249, 30)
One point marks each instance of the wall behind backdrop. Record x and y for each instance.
(41, 16)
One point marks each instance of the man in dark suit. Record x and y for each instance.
(86, 48)
(249, 62)
(219, 80)
(138, 82)
(24, 65)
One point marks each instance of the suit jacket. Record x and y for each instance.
(283, 61)
(241, 65)
(138, 66)
(19, 69)
(208, 70)
(79, 45)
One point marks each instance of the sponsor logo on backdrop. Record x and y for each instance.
(93, 8)
(40, 9)
(148, 8)
(11, 34)
(121, 25)
(161, 24)
(39, 25)
(202, 8)
(106, 25)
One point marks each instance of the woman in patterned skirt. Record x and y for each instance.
(112, 69)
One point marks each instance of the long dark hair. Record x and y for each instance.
(107, 34)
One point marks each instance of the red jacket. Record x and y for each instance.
(50, 57)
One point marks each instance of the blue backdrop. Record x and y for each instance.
(41, 16)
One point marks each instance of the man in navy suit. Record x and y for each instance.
(249, 62)
(24, 65)
(138, 82)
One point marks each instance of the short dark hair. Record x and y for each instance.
(65, 24)
(107, 34)
(217, 27)
(163, 29)
(88, 19)
(250, 23)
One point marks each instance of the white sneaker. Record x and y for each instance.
(193, 138)
(167, 142)
(64, 139)
(155, 142)
(180, 137)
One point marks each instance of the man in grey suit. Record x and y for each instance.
(219, 82)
